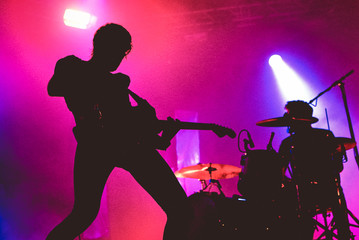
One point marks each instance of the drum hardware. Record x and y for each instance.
(327, 227)
(208, 186)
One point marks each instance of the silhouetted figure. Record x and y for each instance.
(111, 133)
(315, 165)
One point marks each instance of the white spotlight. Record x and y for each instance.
(78, 19)
(275, 60)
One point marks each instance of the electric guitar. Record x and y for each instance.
(149, 126)
(170, 128)
(220, 131)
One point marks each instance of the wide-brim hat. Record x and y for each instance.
(298, 112)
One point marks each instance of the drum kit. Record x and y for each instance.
(260, 181)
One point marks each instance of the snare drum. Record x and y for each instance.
(261, 175)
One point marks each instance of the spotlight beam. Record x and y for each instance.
(291, 85)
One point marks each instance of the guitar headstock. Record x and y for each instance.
(221, 131)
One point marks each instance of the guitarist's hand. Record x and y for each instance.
(160, 143)
(169, 131)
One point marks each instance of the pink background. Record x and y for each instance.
(188, 55)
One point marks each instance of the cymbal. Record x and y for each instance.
(347, 143)
(284, 121)
(209, 171)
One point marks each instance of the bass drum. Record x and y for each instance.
(217, 217)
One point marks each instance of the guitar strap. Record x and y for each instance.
(138, 99)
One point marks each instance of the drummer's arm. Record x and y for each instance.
(338, 160)
(284, 161)
(338, 156)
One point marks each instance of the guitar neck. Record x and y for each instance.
(191, 125)
(218, 130)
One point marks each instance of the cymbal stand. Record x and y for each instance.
(212, 182)
(328, 228)
(356, 220)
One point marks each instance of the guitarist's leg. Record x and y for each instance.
(157, 178)
(90, 175)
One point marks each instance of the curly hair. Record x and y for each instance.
(112, 35)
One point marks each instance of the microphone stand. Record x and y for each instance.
(340, 84)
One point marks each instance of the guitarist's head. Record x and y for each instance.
(111, 43)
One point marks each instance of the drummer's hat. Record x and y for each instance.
(299, 111)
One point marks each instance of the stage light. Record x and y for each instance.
(275, 60)
(78, 19)
(291, 85)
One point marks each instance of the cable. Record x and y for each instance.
(239, 135)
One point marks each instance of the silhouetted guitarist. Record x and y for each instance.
(108, 137)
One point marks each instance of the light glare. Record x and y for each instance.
(78, 19)
(275, 60)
